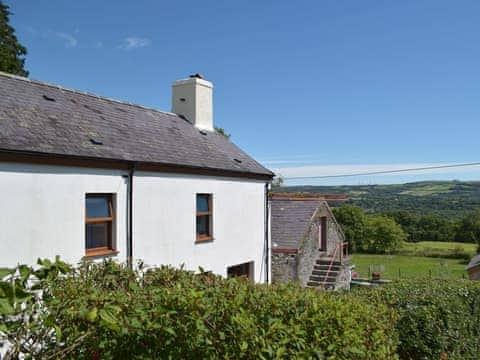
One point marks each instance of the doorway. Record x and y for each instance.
(322, 234)
(244, 270)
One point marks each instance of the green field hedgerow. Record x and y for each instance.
(108, 311)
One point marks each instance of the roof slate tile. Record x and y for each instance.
(29, 122)
(290, 219)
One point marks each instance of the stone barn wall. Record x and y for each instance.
(290, 266)
(308, 252)
(474, 273)
(284, 267)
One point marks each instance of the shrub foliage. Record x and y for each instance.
(109, 311)
(435, 317)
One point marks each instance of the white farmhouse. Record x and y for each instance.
(83, 176)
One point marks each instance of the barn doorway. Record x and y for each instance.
(244, 270)
(322, 234)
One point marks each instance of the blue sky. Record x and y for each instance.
(306, 87)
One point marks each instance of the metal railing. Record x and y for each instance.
(343, 247)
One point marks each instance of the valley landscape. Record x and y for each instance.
(440, 219)
(448, 199)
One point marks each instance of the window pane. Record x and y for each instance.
(202, 203)
(97, 235)
(203, 225)
(97, 207)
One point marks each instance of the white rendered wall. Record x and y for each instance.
(165, 222)
(42, 214)
(42, 211)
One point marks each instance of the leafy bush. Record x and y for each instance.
(468, 229)
(109, 311)
(25, 323)
(383, 235)
(371, 234)
(435, 317)
(354, 223)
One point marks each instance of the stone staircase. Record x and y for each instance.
(319, 272)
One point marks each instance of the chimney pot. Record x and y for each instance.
(197, 75)
(192, 99)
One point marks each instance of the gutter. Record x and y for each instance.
(100, 162)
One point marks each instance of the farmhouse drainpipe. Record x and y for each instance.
(267, 250)
(130, 216)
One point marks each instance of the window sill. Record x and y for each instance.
(96, 253)
(204, 239)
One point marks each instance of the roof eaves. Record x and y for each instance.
(165, 167)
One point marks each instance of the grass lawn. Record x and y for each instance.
(437, 249)
(468, 247)
(401, 266)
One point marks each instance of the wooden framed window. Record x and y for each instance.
(204, 217)
(99, 219)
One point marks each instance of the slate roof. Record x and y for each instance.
(290, 220)
(475, 261)
(36, 117)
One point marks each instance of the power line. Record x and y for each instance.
(383, 172)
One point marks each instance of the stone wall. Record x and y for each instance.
(308, 252)
(344, 278)
(284, 267)
(334, 236)
(293, 267)
(474, 273)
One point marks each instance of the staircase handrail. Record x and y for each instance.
(330, 267)
(341, 246)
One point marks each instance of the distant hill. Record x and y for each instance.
(449, 199)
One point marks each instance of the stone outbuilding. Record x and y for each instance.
(473, 268)
(308, 244)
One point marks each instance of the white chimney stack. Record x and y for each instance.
(192, 98)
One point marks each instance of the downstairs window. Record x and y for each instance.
(99, 224)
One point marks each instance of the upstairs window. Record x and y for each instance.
(204, 217)
(99, 224)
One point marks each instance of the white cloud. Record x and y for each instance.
(69, 40)
(133, 42)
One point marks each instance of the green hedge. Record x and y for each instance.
(435, 317)
(110, 312)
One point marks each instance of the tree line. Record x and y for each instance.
(385, 232)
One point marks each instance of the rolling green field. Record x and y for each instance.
(441, 245)
(404, 266)
(438, 249)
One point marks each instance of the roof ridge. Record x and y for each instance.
(75, 91)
